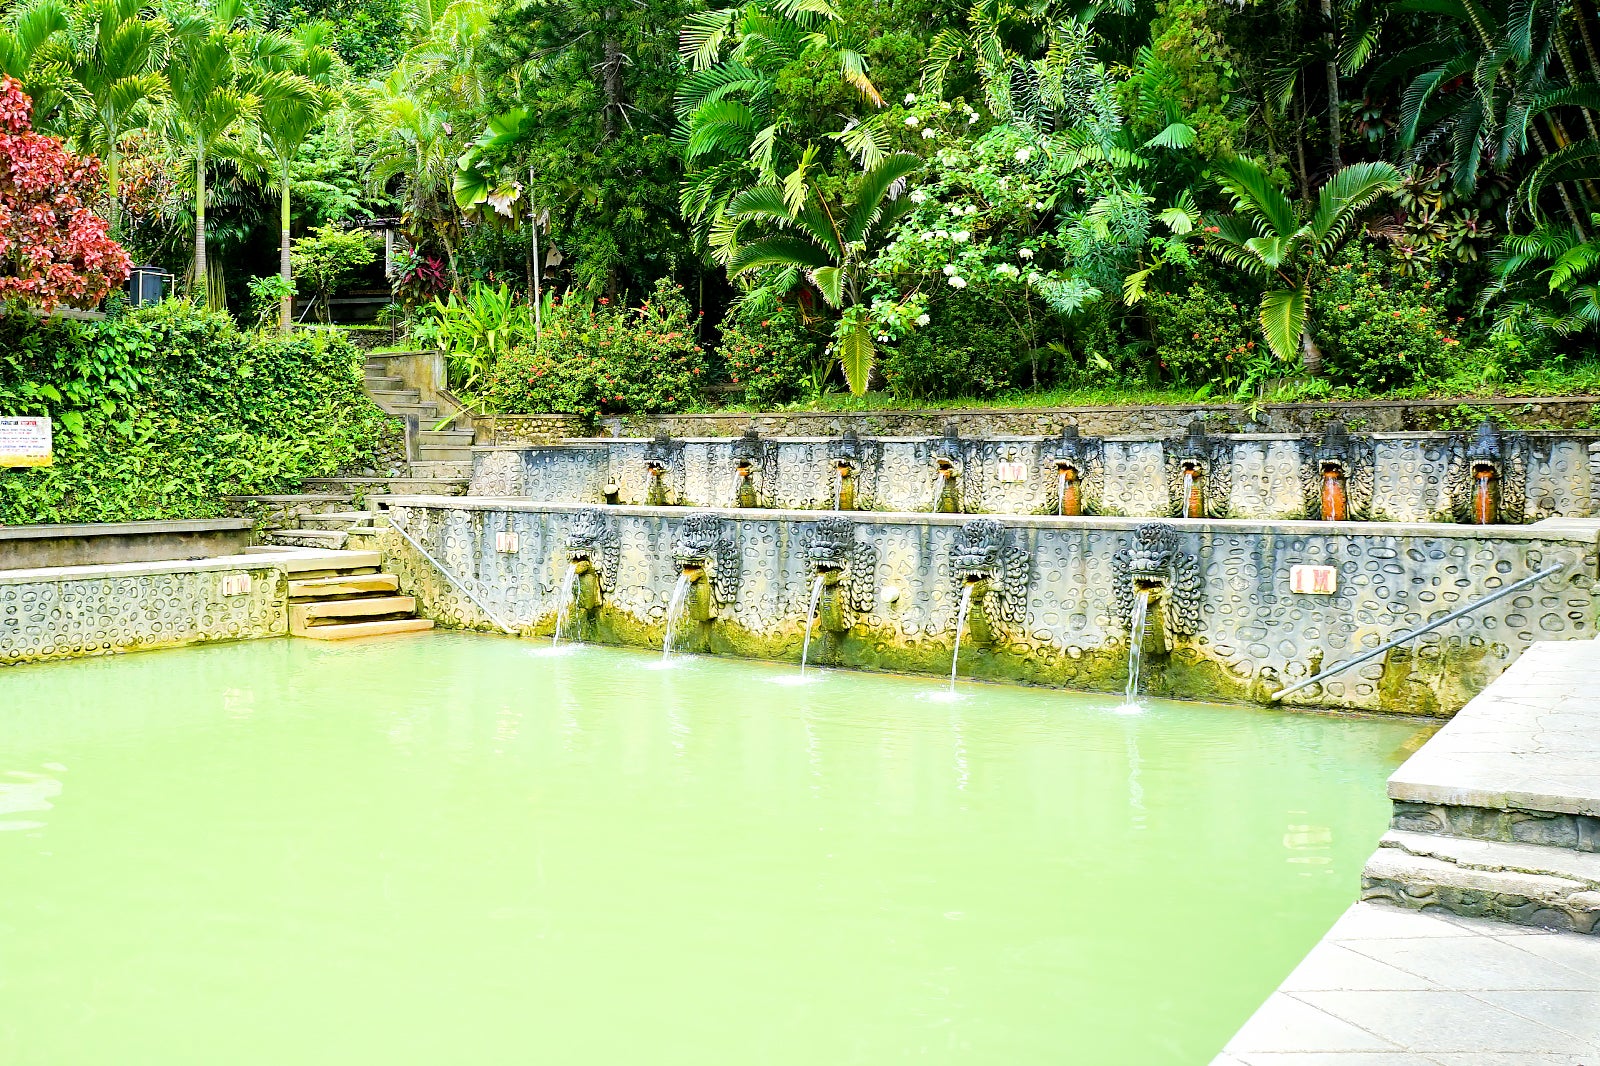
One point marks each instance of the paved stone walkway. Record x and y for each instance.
(1393, 987)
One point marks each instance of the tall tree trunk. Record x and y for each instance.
(285, 271)
(613, 78)
(202, 272)
(1300, 147)
(114, 187)
(1561, 187)
(1335, 157)
(1570, 67)
(1588, 42)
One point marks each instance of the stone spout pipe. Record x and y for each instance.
(700, 605)
(833, 613)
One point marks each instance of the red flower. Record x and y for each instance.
(604, 301)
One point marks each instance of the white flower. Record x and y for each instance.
(960, 236)
(1034, 277)
(949, 270)
(918, 196)
(956, 283)
(1025, 253)
(972, 116)
(1038, 205)
(923, 320)
(943, 235)
(1023, 154)
(1007, 269)
(927, 235)
(928, 134)
(911, 120)
(972, 209)
(911, 98)
(883, 338)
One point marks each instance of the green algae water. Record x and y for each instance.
(467, 850)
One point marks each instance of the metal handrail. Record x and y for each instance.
(450, 577)
(1451, 617)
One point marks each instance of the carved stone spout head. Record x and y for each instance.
(658, 453)
(747, 449)
(947, 452)
(1485, 449)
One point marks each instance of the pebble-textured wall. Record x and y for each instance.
(1416, 477)
(1254, 634)
(75, 611)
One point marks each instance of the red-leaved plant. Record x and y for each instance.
(53, 248)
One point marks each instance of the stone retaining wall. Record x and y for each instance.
(68, 612)
(1058, 602)
(1399, 477)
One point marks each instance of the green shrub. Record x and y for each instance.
(1203, 336)
(604, 360)
(166, 409)
(968, 348)
(1378, 330)
(771, 356)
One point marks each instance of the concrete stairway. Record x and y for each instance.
(439, 451)
(1498, 816)
(1527, 884)
(338, 595)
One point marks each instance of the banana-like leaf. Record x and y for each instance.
(829, 281)
(1177, 135)
(1283, 320)
(856, 353)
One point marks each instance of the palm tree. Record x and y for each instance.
(727, 105)
(416, 141)
(831, 245)
(210, 104)
(287, 119)
(26, 51)
(1270, 238)
(114, 55)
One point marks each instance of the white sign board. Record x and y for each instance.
(1012, 472)
(25, 441)
(1314, 580)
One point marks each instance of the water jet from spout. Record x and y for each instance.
(680, 596)
(961, 624)
(565, 599)
(1141, 610)
(811, 618)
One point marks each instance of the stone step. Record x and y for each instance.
(1527, 884)
(443, 453)
(403, 486)
(349, 630)
(307, 538)
(391, 398)
(318, 562)
(304, 616)
(455, 438)
(380, 382)
(450, 470)
(318, 588)
(335, 519)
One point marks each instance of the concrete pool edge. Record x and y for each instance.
(1443, 960)
(69, 612)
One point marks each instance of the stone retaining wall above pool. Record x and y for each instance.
(1390, 477)
(1054, 594)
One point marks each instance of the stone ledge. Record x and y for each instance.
(1530, 742)
(288, 560)
(1583, 531)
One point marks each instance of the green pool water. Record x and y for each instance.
(454, 849)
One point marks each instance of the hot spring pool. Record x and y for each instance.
(456, 849)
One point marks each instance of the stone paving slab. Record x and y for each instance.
(1531, 741)
(1393, 987)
